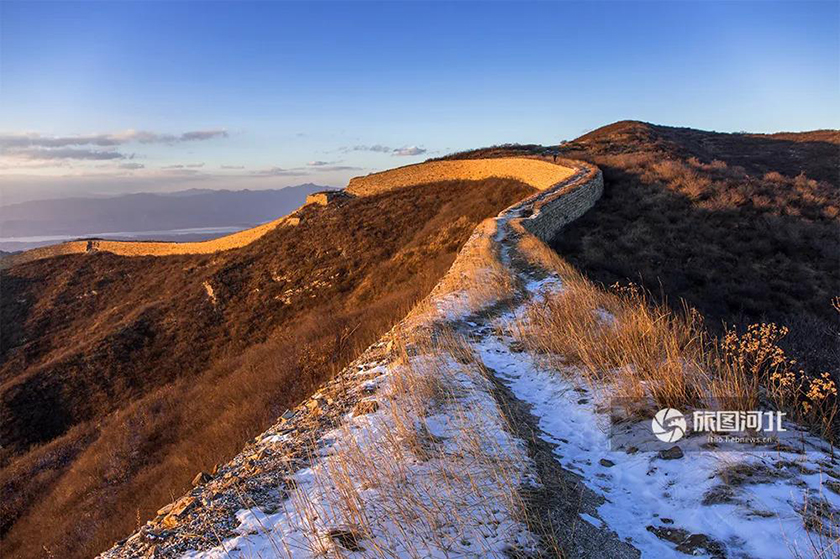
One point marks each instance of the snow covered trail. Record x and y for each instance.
(752, 503)
(449, 439)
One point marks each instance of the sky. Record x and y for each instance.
(103, 98)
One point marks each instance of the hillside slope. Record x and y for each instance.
(743, 227)
(486, 425)
(479, 425)
(122, 377)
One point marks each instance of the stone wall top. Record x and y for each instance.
(535, 172)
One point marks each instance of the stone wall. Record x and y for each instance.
(564, 204)
(540, 174)
(567, 191)
(326, 197)
(148, 248)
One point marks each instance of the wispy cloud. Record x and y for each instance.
(184, 166)
(339, 168)
(279, 172)
(41, 154)
(232, 167)
(28, 140)
(21, 148)
(409, 151)
(131, 166)
(327, 166)
(379, 148)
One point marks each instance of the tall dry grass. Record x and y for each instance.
(620, 339)
(433, 473)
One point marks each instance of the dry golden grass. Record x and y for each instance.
(624, 342)
(478, 278)
(395, 488)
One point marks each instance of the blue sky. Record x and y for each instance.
(172, 95)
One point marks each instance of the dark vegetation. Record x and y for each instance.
(120, 378)
(743, 227)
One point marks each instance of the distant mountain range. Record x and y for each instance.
(165, 216)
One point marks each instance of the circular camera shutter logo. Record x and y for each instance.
(668, 425)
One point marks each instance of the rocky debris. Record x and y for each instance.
(178, 510)
(690, 544)
(673, 453)
(201, 478)
(260, 476)
(606, 463)
(718, 495)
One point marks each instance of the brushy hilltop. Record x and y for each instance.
(480, 414)
(743, 227)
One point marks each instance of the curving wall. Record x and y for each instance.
(148, 248)
(547, 214)
(538, 173)
(567, 191)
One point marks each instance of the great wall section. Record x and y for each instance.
(452, 437)
(269, 477)
(297, 443)
(542, 175)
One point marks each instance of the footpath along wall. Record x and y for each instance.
(263, 468)
(567, 189)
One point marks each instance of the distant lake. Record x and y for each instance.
(185, 235)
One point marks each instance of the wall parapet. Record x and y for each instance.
(537, 173)
(552, 210)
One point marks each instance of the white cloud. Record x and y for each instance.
(28, 140)
(41, 154)
(409, 151)
(379, 148)
(23, 147)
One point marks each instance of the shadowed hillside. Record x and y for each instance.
(123, 377)
(744, 227)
